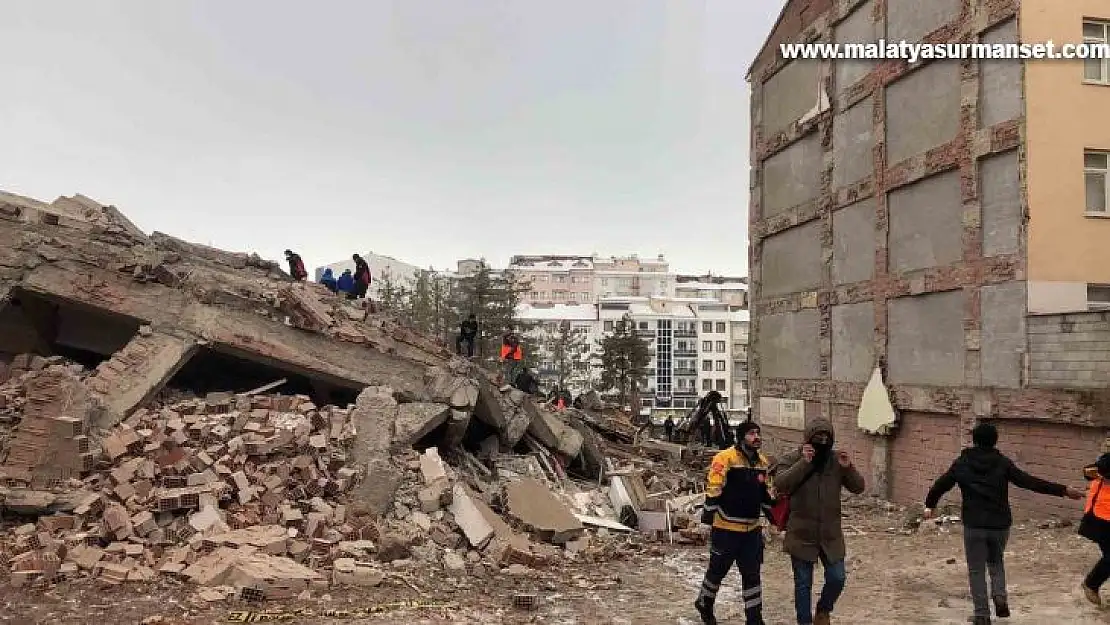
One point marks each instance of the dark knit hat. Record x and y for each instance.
(745, 427)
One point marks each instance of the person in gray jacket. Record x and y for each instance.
(812, 476)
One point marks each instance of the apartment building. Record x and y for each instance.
(941, 225)
(542, 323)
(739, 323)
(631, 276)
(556, 279)
(730, 290)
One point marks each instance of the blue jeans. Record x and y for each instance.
(835, 576)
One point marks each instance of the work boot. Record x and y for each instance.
(1092, 595)
(822, 618)
(705, 609)
(1001, 609)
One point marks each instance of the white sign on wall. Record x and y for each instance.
(782, 413)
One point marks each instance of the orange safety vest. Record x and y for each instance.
(517, 354)
(1100, 506)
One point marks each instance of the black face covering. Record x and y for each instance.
(822, 451)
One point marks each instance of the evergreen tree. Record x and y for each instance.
(421, 311)
(623, 361)
(494, 298)
(391, 295)
(570, 355)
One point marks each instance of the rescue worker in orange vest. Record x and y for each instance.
(511, 357)
(739, 493)
(1095, 525)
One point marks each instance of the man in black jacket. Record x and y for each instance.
(468, 333)
(983, 475)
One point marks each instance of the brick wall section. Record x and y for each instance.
(1070, 350)
(925, 447)
(938, 418)
(137, 372)
(1053, 452)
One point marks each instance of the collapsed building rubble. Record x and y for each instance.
(307, 441)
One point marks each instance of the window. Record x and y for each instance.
(720, 385)
(680, 346)
(643, 325)
(707, 385)
(1098, 297)
(707, 326)
(721, 329)
(707, 346)
(1096, 70)
(1094, 179)
(721, 346)
(535, 294)
(720, 365)
(608, 326)
(707, 365)
(682, 383)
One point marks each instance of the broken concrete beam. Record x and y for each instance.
(516, 417)
(136, 373)
(455, 432)
(488, 410)
(374, 415)
(378, 486)
(532, 504)
(416, 420)
(304, 308)
(470, 518)
(27, 502)
(447, 387)
(432, 467)
(556, 435)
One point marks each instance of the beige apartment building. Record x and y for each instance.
(935, 231)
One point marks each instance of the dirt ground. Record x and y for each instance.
(893, 578)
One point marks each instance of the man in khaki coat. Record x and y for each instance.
(812, 476)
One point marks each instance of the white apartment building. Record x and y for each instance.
(400, 272)
(730, 290)
(714, 348)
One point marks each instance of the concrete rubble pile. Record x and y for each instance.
(268, 491)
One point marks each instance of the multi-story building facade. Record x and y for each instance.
(631, 276)
(542, 323)
(556, 279)
(941, 224)
(730, 290)
(739, 323)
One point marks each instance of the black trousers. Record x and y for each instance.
(1101, 572)
(745, 550)
(469, 340)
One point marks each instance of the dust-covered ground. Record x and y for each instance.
(893, 578)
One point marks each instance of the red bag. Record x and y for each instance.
(780, 512)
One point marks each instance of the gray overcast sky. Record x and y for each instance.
(428, 130)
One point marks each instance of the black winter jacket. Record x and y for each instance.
(984, 476)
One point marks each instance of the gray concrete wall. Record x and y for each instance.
(857, 27)
(926, 223)
(788, 344)
(911, 20)
(854, 143)
(1002, 340)
(854, 242)
(792, 260)
(789, 94)
(853, 340)
(922, 109)
(792, 176)
(1070, 351)
(1000, 193)
(999, 80)
(926, 344)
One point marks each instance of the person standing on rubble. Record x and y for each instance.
(512, 354)
(812, 477)
(296, 265)
(1095, 525)
(739, 492)
(668, 428)
(362, 277)
(468, 333)
(984, 475)
(328, 280)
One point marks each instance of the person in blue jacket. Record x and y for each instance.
(328, 280)
(346, 283)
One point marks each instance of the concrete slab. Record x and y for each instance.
(417, 420)
(136, 373)
(469, 518)
(547, 518)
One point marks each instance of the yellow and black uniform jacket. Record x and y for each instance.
(739, 491)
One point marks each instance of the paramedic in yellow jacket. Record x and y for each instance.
(738, 495)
